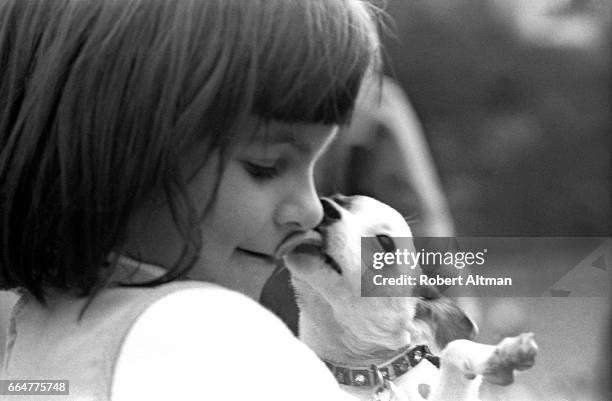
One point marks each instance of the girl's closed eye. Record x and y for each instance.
(262, 170)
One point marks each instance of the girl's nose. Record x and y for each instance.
(303, 210)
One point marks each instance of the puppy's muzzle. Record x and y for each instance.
(314, 242)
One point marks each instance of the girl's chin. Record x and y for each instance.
(249, 273)
(241, 271)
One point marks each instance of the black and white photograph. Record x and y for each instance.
(366, 200)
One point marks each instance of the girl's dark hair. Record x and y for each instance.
(100, 100)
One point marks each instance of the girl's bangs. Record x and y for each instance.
(312, 66)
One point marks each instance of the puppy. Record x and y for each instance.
(386, 347)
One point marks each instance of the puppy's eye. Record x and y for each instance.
(386, 243)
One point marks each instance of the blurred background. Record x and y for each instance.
(513, 102)
(514, 98)
(496, 121)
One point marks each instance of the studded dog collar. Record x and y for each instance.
(394, 367)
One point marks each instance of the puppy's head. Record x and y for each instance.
(326, 267)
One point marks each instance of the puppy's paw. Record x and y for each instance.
(514, 353)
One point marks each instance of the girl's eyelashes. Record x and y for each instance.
(261, 172)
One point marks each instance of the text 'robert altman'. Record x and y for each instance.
(404, 258)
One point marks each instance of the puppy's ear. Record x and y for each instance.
(447, 321)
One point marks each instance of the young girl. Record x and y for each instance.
(143, 142)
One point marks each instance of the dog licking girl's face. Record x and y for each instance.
(326, 270)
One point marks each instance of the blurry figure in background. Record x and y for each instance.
(382, 154)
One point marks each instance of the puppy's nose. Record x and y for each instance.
(330, 211)
(427, 292)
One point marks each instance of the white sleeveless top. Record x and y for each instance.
(178, 341)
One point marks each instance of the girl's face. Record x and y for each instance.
(265, 194)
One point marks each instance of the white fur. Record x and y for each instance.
(350, 330)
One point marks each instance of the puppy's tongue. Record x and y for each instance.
(310, 242)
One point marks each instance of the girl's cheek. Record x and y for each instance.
(256, 205)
